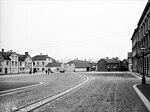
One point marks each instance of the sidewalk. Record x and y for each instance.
(143, 91)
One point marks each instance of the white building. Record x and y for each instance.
(77, 66)
(13, 63)
(25, 63)
(130, 66)
(40, 62)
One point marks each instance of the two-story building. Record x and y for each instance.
(40, 62)
(141, 39)
(25, 63)
(9, 62)
(13, 63)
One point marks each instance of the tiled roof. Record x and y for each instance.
(22, 57)
(42, 57)
(111, 61)
(80, 63)
(6, 55)
(54, 64)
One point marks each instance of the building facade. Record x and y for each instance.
(13, 63)
(141, 39)
(108, 65)
(77, 66)
(55, 67)
(40, 62)
(25, 63)
(130, 67)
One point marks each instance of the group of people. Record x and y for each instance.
(34, 71)
(48, 71)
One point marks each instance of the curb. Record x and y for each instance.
(142, 97)
(137, 76)
(139, 93)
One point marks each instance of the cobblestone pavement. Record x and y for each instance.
(53, 84)
(104, 93)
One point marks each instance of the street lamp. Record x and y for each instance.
(143, 77)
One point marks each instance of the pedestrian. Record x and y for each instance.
(30, 72)
(46, 71)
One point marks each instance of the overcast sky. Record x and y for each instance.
(69, 29)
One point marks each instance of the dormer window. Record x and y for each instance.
(15, 57)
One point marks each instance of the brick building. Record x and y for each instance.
(108, 64)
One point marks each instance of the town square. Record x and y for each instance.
(75, 56)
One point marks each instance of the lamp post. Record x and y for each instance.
(143, 77)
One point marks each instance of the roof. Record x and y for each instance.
(110, 61)
(54, 64)
(6, 55)
(80, 63)
(22, 57)
(42, 57)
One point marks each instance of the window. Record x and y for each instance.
(20, 63)
(33, 63)
(37, 63)
(0, 69)
(7, 62)
(16, 63)
(12, 63)
(42, 63)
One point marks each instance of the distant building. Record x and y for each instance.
(141, 39)
(106, 64)
(93, 66)
(40, 62)
(55, 67)
(78, 66)
(130, 67)
(124, 65)
(25, 63)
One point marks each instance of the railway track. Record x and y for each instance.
(34, 105)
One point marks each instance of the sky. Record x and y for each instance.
(70, 29)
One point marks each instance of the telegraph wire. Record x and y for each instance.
(80, 41)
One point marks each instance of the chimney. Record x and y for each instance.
(2, 50)
(10, 50)
(26, 53)
(106, 57)
(40, 53)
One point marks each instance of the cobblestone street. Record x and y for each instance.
(52, 84)
(105, 93)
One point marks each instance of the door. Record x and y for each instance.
(5, 70)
